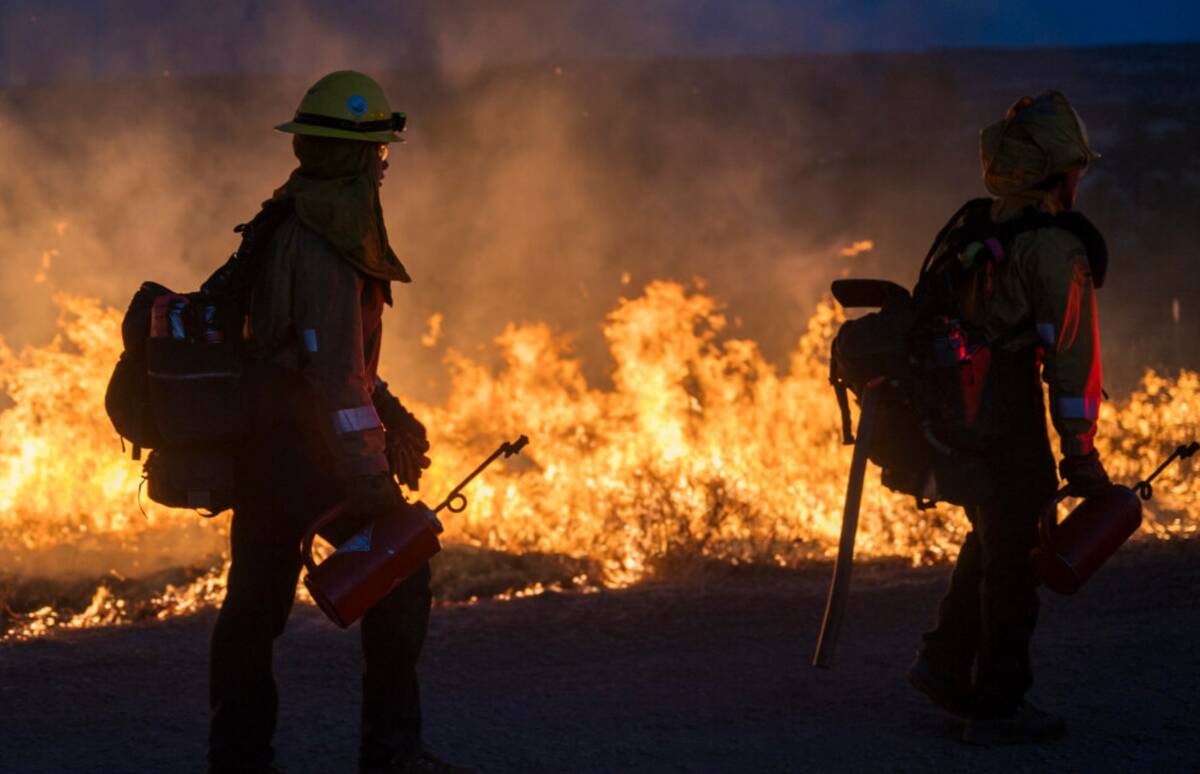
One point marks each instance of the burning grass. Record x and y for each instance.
(701, 450)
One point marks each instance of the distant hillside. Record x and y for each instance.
(527, 192)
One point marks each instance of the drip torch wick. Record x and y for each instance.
(515, 447)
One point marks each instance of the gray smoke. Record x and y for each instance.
(553, 153)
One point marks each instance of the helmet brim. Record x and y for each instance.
(385, 136)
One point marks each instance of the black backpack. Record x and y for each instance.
(177, 386)
(937, 419)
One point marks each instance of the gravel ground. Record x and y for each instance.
(707, 674)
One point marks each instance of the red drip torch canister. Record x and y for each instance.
(371, 563)
(1071, 551)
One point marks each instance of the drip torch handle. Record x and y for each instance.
(456, 501)
(1145, 489)
(323, 521)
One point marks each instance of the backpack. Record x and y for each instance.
(937, 419)
(177, 387)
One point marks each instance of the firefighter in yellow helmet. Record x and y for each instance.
(1037, 307)
(326, 429)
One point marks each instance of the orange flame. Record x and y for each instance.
(701, 448)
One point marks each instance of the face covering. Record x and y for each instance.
(336, 195)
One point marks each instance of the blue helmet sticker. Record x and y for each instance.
(357, 105)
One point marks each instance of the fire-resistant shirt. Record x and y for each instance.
(1044, 297)
(317, 314)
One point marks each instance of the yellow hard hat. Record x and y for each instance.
(1038, 137)
(347, 105)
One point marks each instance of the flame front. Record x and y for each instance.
(701, 448)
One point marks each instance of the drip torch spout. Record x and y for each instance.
(1145, 489)
(456, 501)
(1071, 551)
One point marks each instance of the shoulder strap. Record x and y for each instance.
(959, 216)
(263, 225)
(1073, 221)
(237, 276)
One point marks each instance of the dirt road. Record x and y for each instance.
(709, 674)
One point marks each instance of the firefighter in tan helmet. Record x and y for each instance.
(1037, 308)
(325, 429)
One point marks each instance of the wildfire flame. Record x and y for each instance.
(700, 448)
(855, 248)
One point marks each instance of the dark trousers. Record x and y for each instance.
(281, 490)
(987, 617)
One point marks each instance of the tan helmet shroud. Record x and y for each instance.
(1038, 137)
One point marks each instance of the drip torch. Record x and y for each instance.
(1071, 551)
(366, 567)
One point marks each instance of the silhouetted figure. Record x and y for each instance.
(325, 429)
(1037, 310)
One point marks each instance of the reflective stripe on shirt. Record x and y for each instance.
(1079, 408)
(354, 420)
(310, 340)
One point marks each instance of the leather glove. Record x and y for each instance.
(406, 455)
(1085, 474)
(406, 440)
(375, 495)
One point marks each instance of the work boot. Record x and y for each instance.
(948, 688)
(420, 762)
(1025, 725)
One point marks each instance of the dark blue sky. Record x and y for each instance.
(833, 25)
(51, 39)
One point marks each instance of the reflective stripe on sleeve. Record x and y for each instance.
(354, 420)
(1046, 333)
(1079, 408)
(310, 339)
